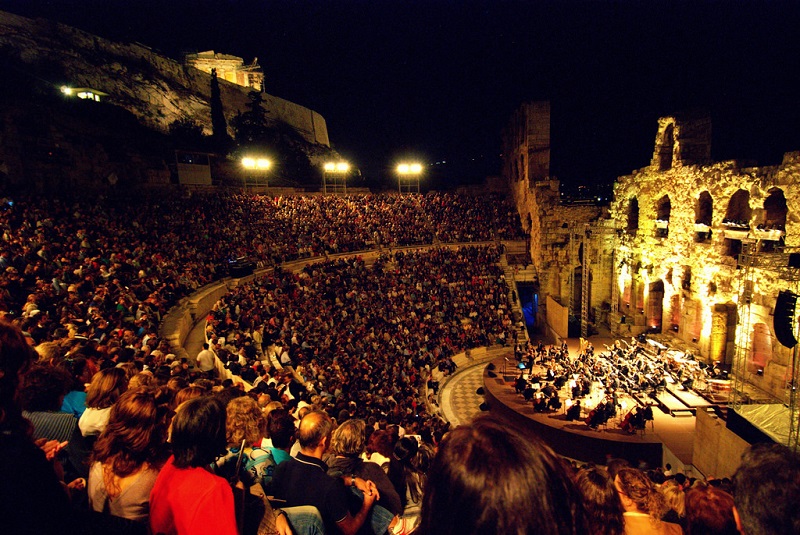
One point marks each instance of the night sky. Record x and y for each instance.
(439, 79)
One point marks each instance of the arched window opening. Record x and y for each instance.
(655, 306)
(703, 214)
(633, 216)
(667, 147)
(737, 222)
(771, 230)
(663, 209)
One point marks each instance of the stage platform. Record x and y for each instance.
(575, 439)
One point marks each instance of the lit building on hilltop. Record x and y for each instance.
(230, 68)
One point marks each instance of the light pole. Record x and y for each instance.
(408, 177)
(334, 177)
(257, 167)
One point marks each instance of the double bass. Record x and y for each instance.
(627, 423)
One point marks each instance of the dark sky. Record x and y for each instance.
(440, 78)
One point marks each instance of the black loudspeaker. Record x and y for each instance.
(491, 374)
(479, 391)
(794, 260)
(491, 366)
(783, 320)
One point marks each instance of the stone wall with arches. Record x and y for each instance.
(682, 224)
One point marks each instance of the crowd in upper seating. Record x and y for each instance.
(100, 267)
(367, 335)
(128, 438)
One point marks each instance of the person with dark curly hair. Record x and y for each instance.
(644, 505)
(32, 499)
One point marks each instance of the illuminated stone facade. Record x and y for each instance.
(702, 251)
(230, 68)
(690, 249)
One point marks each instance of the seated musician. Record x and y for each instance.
(554, 403)
(519, 385)
(540, 404)
(574, 412)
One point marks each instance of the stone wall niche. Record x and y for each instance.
(663, 210)
(633, 216)
(771, 228)
(703, 217)
(737, 222)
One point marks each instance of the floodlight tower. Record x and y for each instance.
(334, 177)
(256, 168)
(408, 177)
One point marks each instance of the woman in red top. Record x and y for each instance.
(187, 498)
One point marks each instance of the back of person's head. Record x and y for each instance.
(280, 427)
(405, 449)
(136, 431)
(767, 487)
(315, 427)
(15, 357)
(601, 501)
(380, 441)
(674, 496)
(709, 511)
(43, 388)
(185, 394)
(632, 484)
(198, 432)
(106, 387)
(615, 465)
(348, 439)
(487, 478)
(245, 421)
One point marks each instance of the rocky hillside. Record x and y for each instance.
(44, 134)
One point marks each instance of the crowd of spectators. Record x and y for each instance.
(108, 269)
(364, 336)
(338, 344)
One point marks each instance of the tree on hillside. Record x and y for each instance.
(256, 133)
(219, 126)
(250, 127)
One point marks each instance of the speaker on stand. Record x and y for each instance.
(783, 320)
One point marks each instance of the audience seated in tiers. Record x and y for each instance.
(384, 329)
(89, 281)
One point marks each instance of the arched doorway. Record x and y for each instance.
(655, 306)
(666, 149)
